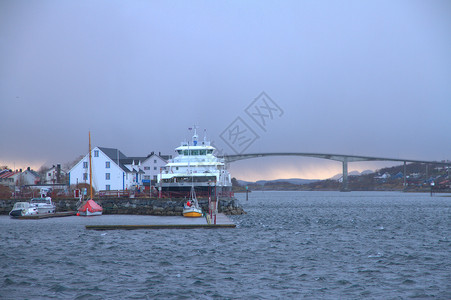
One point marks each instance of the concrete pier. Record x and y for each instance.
(162, 222)
(46, 216)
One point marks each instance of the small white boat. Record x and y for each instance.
(43, 205)
(191, 209)
(22, 209)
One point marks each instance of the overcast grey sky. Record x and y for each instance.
(350, 77)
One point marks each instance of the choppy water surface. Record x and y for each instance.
(290, 245)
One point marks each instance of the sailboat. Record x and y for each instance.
(90, 207)
(191, 209)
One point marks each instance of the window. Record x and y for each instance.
(154, 161)
(107, 176)
(177, 168)
(155, 177)
(203, 152)
(85, 176)
(107, 187)
(107, 164)
(155, 168)
(146, 168)
(96, 153)
(85, 165)
(146, 177)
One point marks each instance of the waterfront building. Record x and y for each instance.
(109, 171)
(152, 164)
(113, 170)
(54, 175)
(9, 178)
(29, 177)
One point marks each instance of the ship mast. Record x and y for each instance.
(90, 167)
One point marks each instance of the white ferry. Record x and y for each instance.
(195, 166)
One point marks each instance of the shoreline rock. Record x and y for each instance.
(136, 206)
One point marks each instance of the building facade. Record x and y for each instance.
(54, 175)
(113, 170)
(152, 166)
(108, 173)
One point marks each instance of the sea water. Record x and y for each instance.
(289, 245)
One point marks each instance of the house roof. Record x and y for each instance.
(163, 157)
(34, 173)
(113, 153)
(8, 174)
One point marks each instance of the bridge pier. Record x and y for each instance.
(404, 176)
(344, 187)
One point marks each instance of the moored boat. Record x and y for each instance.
(191, 209)
(22, 209)
(90, 207)
(43, 205)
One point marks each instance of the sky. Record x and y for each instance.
(368, 78)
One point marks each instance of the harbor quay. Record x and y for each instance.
(138, 206)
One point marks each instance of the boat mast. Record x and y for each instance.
(90, 166)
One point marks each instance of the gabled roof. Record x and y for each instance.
(34, 173)
(8, 174)
(163, 157)
(113, 153)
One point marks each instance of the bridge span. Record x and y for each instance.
(344, 159)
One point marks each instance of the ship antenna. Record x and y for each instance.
(195, 136)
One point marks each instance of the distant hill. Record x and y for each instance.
(353, 173)
(297, 181)
(418, 178)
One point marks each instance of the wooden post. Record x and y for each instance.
(247, 193)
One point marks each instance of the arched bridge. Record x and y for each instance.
(345, 159)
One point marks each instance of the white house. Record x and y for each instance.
(29, 177)
(54, 175)
(152, 165)
(9, 177)
(111, 170)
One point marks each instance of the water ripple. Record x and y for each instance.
(290, 245)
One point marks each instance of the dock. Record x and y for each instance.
(166, 222)
(45, 216)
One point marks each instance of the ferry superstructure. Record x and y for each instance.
(195, 166)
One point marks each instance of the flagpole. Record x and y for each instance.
(90, 166)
